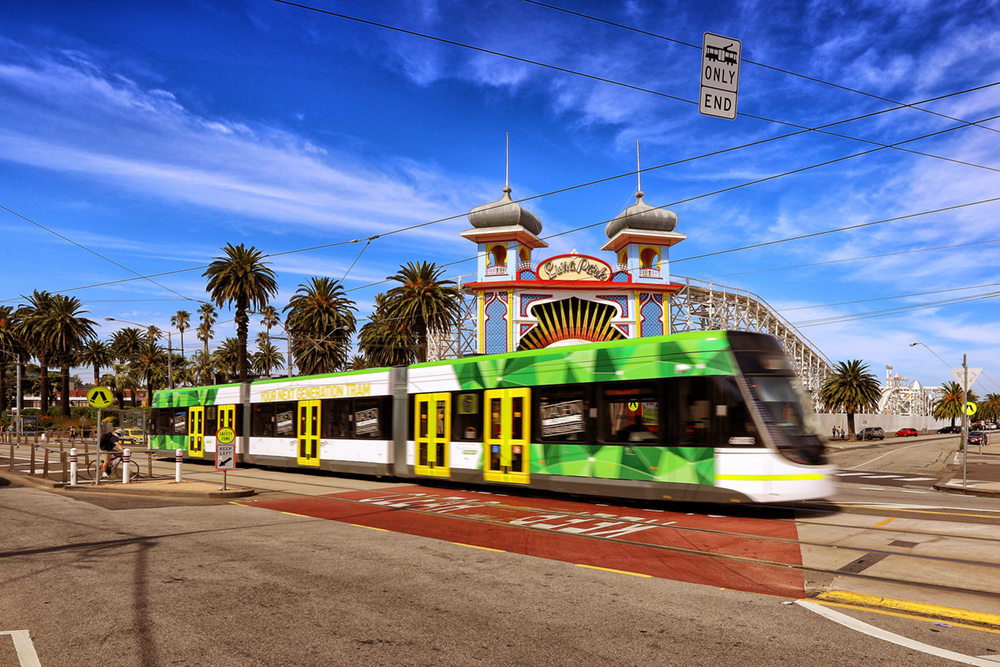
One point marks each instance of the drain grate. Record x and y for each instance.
(863, 563)
(901, 543)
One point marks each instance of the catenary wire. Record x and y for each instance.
(890, 298)
(912, 105)
(633, 87)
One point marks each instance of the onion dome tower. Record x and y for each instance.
(641, 237)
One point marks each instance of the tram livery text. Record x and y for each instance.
(309, 393)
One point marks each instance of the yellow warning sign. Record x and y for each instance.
(99, 397)
(225, 435)
(971, 408)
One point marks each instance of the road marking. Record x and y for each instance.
(473, 546)
(891, 637)
(608, 569)
(884, 455)
(916, 508)
(882, 523)
(383, 530)
(909, 616)
(917, 479)
(304, 516)
(881, 476)
(25, 649)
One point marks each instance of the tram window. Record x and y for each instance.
(467, 416)
(693, 401)
(734, 425)
(336, 422)
(211, 420)
(517, 418)
(631, 413)
(284, 420)
(160, 421)
(496, 418)
(562, 414)
(179, 422)
(372, 417)
(262, 420)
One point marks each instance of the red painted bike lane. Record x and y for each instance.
(640, 541)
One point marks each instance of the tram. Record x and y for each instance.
(709, 416)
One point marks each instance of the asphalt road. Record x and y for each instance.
(113, 581)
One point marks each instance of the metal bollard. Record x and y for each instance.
(72, 466)
(126, 457)
(179, 459)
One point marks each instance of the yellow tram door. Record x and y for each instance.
(433, 435)
(196, 432)
(508, 433)
(309, 416)
(227, 417)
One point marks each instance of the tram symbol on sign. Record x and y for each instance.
(99, 397)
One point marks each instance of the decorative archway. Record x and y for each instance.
(571, 319)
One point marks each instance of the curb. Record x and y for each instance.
(933, 610)
(17, 479)
(966, 491)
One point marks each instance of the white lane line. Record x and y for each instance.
(917, 479)
(883, 456)
(899, 640)
(881, 476)
(851, 474)
(25, 649)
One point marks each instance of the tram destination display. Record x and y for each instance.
(562, 418)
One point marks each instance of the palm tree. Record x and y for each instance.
(8, 348)
(67, 331)
(949, 405)
(320, 323)
(96, 353)
(125, 345)
(990, 408)
(202, 367)
(851, 387)
(423, 302)
(149, 363)
(181, 321)
(383, 342)
(205, 332)
(29, 321)
(267, 355)
(241, 278)
(358, 363)
(269, 318)
(226, 359)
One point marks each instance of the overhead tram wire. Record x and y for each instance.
(852, 259)
(912, 105)
(888, 298)
(565, 70)
(838, 319)
(95, 253)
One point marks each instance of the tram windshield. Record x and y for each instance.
(781, 400)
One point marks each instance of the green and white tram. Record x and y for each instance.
(703, 416)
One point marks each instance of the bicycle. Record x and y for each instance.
(114, 468)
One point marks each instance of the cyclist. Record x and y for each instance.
(109, 443)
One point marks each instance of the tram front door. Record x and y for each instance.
(508, 433)
(308, 454)
(196, 432)
(433, 434)
(227, 417)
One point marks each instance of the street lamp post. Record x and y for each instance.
(965, 421)
(170, 349)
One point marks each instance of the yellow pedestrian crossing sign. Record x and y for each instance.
(100, 397)
(971, 408)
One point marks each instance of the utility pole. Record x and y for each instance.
(170, 362)
(20, 411)
(965, 423)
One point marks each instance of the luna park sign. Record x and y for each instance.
(574, 267)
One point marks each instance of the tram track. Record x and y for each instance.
(807, 571)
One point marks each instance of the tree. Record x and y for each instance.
(267, 355)
(358, 363)
(241, 278)
(850, 388)
(989, 409)
(320, 323)
(32, 335)
(205, 332)
(202, 367)
(181, 321)
(422, 302)
(149, 363)
(9, 344)
(383, 342)
(125, 345)
(67, 331)
(96, 353)
(949, 405)
(226, 359)
(269, 318)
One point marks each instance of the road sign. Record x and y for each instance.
(971, 408)
(100, 397)
(225, 435)
(720, 75)
(959, 374)
(225, 456)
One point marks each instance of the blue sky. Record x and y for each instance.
(154, 133)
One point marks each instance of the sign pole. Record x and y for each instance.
(97, 443)
(965, 424)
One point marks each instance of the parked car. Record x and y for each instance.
(872, 433)
(950, 429)
(978, 438)
(133, 437)
(903, 432)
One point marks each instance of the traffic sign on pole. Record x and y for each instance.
(720, 75)
(959, 374)
(971, 408)
(100, 397)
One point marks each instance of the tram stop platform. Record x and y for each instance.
(152, 487)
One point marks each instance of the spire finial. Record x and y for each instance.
(638, 169)
(506, 185)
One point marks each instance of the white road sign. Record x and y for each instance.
(225, 456)
(959, 374)
(720, 75)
